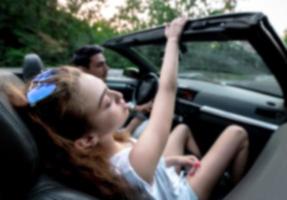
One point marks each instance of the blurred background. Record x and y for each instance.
(55, 28)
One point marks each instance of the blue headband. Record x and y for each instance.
(42, 89)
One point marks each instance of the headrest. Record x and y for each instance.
(18, 153)
(32, 65)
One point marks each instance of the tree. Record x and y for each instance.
(39, 26)
(87, 10)
(285, 36)
(138, 14)
(55, 30)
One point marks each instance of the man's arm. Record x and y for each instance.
(133, 124)
(139, 112)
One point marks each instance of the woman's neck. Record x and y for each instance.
(111, 145)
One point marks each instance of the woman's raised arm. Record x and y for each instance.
(147, 151)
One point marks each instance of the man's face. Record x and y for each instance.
(98, 66)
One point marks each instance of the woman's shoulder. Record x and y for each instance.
(122, 156)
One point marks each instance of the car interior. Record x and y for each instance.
(206, 107)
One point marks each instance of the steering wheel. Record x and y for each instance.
(145, 89)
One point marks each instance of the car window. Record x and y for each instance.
(233, 63)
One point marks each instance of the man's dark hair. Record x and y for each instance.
(82, 56)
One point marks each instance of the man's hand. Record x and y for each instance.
(144, 108)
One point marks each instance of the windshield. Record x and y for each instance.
(233, 63)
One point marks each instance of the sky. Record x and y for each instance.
(276, 11)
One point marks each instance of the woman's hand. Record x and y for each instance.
(190, 162)
(175, 28)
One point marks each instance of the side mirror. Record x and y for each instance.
(132, 72)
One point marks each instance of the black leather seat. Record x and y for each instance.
(49, 189)
(20, 175)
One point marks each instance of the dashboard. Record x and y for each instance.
(224, 101)
(231, 102)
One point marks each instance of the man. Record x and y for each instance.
(90, 59)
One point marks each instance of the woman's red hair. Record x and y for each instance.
(54, 119)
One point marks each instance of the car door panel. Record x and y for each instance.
(267, 179)
(207, 122)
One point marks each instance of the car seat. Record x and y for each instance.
(20, 174)
(32, 65)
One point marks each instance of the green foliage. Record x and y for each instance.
(39, 26)
(212, 60)
(13, 57)
(167, 14)
(139, 14)
(285, 37)
(54, 30)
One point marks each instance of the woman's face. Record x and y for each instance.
(106, 109)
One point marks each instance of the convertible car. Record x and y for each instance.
(232, 71)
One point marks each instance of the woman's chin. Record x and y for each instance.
(124, 119)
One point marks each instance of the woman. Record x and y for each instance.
(81, 121)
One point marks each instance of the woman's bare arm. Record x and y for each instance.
(146, 153)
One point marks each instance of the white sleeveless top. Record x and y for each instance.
(167, 184)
